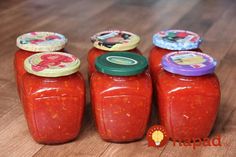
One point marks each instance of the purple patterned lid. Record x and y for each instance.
(189, 63)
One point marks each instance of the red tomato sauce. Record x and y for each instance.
(188, 94)
(121, 94)
(121, 105)
(54, 107)
(53, 97)
(188, 105)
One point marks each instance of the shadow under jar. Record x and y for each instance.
(169, 41)
(121, 93)
(188, 94)
(31, 43)
(111, 41)
(53, 97)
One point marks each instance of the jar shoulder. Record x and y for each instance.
(70, 85)
(171, 84)
(103, 83)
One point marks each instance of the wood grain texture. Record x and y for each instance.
(214, 20)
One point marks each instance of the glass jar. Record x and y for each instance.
(169, 41)
(111, 41)
(121, 93)
(32, 43)
(188, 94)
(53, 97)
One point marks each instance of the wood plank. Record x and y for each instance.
(203, 15)
(17, 142)
(225, 26)
(78, 20)
(14, 135)
(9, 90)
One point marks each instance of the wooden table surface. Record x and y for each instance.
(214, 20)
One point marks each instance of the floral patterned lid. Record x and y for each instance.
(52, 64)
(41, 41)
(188, 63)
(177, 40)
(115, 40)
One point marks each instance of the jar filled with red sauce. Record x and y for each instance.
(188, 94)
(111, 41)
(35, 42)
(53, 97)
(168, 41)
(121, 91)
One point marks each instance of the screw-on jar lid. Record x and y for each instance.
(115, 40)
(41, 41)
(177, 40)
(121, 63)
(188, 63)
(52, 64)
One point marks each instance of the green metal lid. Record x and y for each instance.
(121, 63)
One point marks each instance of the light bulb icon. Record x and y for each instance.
(157, 137)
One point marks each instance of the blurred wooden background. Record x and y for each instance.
(214, 20)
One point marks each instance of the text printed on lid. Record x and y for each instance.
(121, 60)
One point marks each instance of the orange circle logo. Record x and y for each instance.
(157, 136)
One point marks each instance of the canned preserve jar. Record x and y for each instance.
(188, 94)
(111, 41)
(53, 97)
(169, 41)
(121, 93)
(35, 42)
